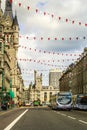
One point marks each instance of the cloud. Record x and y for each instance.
(38, 25)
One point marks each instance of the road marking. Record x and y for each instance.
(83, 121)
(71, 117)
(63, 114)
(15, 121)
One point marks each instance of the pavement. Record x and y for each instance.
(8, 110)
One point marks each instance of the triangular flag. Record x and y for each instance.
(11, 1)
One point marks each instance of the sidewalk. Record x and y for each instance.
(8, 110)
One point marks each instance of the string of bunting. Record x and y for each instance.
(39, 61)
(55, 38)
(53, 53)
(67, 77)
(52, 15)
(27, 37)
(51, 61)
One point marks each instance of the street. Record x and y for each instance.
(43, 119)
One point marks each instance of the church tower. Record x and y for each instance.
(38, 82)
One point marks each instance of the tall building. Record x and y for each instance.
(54, 76)
(9, 42)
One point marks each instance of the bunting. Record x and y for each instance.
(59, 18)
(54, 38)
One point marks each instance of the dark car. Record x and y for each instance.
(4, 106)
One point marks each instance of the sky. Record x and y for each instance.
(52, 35)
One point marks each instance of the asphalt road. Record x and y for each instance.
(44, 119)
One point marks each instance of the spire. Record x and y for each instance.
(1, 12)
(15, 20)
(8, 8)
(0, 4)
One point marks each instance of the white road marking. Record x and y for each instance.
(83, 121)
(71, 117)
(14, 122)
(63, 114)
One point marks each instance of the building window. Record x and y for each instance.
(7, 28)
(50, 95)
(45, 96)
(0, 46)
(0, 62)
(0, 29)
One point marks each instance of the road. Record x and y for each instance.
(43, 119)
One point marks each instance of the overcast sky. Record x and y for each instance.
(61, 19)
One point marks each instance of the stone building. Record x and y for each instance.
(10, 73)
(74, 79)
(54, 76)
(39, 92)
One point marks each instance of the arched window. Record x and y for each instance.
(45, 96)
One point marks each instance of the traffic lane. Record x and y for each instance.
(47, 120)
(78, 114)
(6, 117)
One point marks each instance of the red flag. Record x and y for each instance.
(28, 7)
(11, 1)
(70, 38)
(66, 20)
(19, 4)
(48, 38)
(36, 10)
(62, 38)
(41, 38)
(73, 22)
(44, 13)
(52, 15)
(79, 23)
(55, 38)
(59, 18)
(76, 38)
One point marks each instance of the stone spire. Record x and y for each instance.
(15, 20)
(1, 12)
(8, 9)
(0, 4)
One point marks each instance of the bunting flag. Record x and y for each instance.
(11, 1)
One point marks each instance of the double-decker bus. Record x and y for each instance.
(80, 102)
(62, 100)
